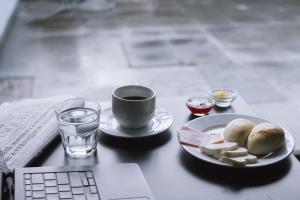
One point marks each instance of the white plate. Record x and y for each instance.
(161, 121)
(216, 123)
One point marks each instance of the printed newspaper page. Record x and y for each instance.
(26, 127)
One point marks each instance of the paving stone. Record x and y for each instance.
(15, 59)
(174, 47)
(149, 52)
(236, 12)
(143, 13)
(100, 53)
(260, 43)
(273, 10)
(61, 52)
(208, 13)
(15, 88)
(128, 13)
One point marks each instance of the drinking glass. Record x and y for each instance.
(223, 97)
(78, 121)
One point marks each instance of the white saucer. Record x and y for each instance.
(161, 121)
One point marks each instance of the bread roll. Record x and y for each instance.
(238, 131)
(265, 138)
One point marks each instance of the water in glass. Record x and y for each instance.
(78, 130)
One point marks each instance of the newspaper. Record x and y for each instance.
(26, 127)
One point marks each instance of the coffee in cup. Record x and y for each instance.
(133, 106)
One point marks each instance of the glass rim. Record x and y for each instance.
(231, 90)
(200, 97)
(209, 98)
(97, 110)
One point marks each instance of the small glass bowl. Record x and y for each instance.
(223, 97)
(200, 106)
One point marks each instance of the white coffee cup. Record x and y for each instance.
(133, 106)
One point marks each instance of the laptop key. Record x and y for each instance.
(28, 193)
(52, 197)
(89, 174)
(91, 181)
(64, 188)
(62, 178)
(38, 194)
(37, 187)
(89, 195)
(84, 179)
(79, 197)
(51, 190)
(27, 187)
(28, 198)
(78, 190)
(93, 189)
(49, 176)
(50, 183)
(65, 195)
(93, 197)
(28, 182)
(75, 179)
(37, 178)
(27, 176)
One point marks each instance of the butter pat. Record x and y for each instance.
(215, 149)
(240, 161)
(235, 153)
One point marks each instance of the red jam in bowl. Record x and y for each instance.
(200, 106)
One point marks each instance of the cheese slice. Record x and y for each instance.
(215, 149)
(240, 161)
(235, 153)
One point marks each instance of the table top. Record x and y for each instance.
(173, 174)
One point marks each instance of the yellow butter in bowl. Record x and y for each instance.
(223, 97)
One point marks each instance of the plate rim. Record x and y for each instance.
(184, 147)
(140, 136)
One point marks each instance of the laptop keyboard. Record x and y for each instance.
(61, 186)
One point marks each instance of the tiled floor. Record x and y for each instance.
(178, 47)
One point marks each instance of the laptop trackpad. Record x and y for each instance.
(122, 182)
